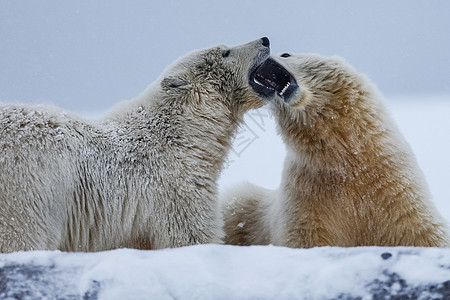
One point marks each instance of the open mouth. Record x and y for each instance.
(270, 79)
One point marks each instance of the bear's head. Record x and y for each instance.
(319, 102)
(218, 76)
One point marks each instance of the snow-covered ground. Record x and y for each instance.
(229, 272)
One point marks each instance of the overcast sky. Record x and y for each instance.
(88, 55)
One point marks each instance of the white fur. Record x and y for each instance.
(349, 177)
(144, 176)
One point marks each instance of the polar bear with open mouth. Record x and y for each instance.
(349, 177)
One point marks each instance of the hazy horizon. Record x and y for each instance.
(87, 56)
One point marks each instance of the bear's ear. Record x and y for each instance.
(175, 83)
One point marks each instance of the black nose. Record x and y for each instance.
(265, 42)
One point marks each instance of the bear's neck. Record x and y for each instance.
(334, 150)
(197, 134)
(343, 134)
(346, 151)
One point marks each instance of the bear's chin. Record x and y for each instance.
(271, 80)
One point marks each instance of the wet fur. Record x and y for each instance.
(144, 176)
(349, 177)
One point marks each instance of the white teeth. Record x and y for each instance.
(257, 82)
(285, 88)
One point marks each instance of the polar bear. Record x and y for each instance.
(144, 176)
(349, 177)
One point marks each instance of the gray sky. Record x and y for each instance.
(88, 55)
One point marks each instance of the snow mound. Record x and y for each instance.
(229, 272)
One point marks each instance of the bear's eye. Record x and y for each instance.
(285, 55)
(226, 53)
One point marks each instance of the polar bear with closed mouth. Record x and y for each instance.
(349, 177)
(145, 176)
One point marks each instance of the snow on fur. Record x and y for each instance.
(145, 176)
